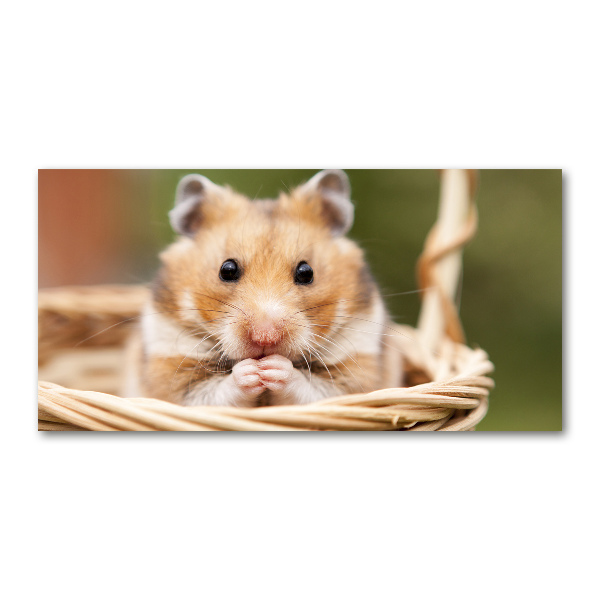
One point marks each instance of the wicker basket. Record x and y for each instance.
(82, 333)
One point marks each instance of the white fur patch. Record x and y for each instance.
(272, 309)
(304, 389)
(164, 337)
(189, 310)
(359, 334)
(214, 392)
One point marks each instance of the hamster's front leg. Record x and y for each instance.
(289, 385)
(240, 388)
(250, 377)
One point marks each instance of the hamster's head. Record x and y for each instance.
(265, 276)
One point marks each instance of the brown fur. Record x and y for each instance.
(171, 378)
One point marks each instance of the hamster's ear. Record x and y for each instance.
(192, 192)
(331, 187)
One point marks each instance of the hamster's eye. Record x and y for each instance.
(230, 271)
(304, 274)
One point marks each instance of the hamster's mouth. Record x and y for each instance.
(256, 351)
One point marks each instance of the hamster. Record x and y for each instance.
(262, 302)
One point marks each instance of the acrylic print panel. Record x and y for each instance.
(101, 233)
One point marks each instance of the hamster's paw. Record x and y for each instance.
(276, 372)
(246, 379)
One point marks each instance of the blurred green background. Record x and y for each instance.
(512, 283)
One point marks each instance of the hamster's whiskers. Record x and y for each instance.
(353, 318)
(201, 330)
(383, 343)
(182, 361)
(158, 312)
(311, 348)
(336, 332)
(341, 362)
(209, 356)
(223, 302)
(338, 346)
(297, 346)
(360, 301)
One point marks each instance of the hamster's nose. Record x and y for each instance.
(266, 333)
